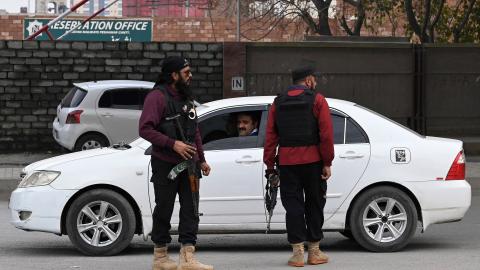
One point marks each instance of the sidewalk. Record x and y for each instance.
(12, 164)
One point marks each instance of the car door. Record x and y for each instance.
(232, 194)
(352, 153)
(119, 111)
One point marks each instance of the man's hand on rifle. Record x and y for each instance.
(269, 174)
(270, 171)
(186, 151)
(205, 168)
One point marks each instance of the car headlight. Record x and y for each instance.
(39, 178)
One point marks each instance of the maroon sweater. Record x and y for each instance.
(153, 112)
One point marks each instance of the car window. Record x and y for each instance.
(219, 131)
(232, 143)
(346, 130)
(354, 133)
(142, 94)
(122, 99)
(338, 123)
(73, 98)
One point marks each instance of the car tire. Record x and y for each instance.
(348, 234)
(90, 141)
(100, 234)
(379, 229)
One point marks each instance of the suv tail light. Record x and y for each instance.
(74, 117)
(457, 170)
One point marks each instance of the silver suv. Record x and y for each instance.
(99, 114)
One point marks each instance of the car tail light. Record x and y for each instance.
(74, 117)
(457, 170)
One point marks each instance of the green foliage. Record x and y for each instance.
(383, 13)
(451, 20)
(471, 33)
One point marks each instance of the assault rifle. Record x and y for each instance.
(190, 165)
(271, 188)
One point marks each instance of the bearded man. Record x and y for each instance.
(168, 112)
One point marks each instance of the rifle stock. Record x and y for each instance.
(194, 182)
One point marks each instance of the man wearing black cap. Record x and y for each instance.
(299, 123)
(169, 97)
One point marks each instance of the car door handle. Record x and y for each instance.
(247, 160)
(351, 155)
(106, 114)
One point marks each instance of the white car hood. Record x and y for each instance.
(51, 163)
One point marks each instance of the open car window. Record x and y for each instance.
(232, 143)
(219, 129)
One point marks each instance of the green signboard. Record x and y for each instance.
(94, 30)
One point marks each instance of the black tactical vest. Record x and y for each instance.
(296, 124)
(187, 117)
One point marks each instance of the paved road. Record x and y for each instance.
(446, 246)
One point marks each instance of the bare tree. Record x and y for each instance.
(313, 13)
(321, 27)
(359, 17)
(424, 26)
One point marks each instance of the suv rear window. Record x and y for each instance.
(123, 99)
(73, 98)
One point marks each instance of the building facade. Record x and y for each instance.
(93, 5)
(50, 6)
(165, 8)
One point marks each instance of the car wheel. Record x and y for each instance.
(383, 219)
(100, 222)
(90, 141)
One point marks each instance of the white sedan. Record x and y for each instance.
(386, 180)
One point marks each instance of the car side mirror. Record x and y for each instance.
(148, 152)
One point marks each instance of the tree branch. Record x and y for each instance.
(343, 23)
(426, 22)
(360, 18)
(458, 30)
(411, 18)
(431, 27)
(457, 7)
(439, 13)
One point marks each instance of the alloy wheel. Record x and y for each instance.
(91, 145)
(384, 219)
(99, 223)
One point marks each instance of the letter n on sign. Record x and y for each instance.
(238, 83)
